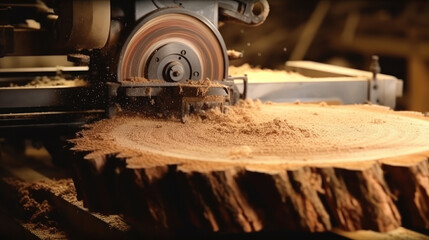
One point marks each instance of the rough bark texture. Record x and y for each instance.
(379, 194)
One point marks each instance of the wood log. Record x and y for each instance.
(261, 166)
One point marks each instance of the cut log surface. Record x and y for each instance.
(261, 166)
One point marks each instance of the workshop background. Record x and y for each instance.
(345, 33)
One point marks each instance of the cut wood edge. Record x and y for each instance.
(271, 168)
(145, 159)
(399, 233)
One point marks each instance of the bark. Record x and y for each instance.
(162, 193)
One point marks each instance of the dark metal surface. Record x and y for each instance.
(23, 97)
(208, 9)
(8, 74)
(236, 93)
(54, 109)
(25, 107)
(48, 119)
(6, 39)
(34, 42)
(63, 27)
(174, 62)
(327, 83)
(252, 12)
(17, 98)
(83, 24)
(178, 26)
(195, 102)
(161, 43)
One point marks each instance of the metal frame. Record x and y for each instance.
(328, 83)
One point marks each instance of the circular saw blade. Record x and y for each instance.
(205, 55)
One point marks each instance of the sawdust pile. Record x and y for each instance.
(242, 120)
(256, 75)
(261, 134)
(44, 81)
(142, 80)
(36, 209)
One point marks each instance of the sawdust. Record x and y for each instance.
(202, 86)
(42, 218)
(233, 54)
(258, 75)
(242, 120)
(143, 80)
(261, 134)
(36, 210)
(44, 81)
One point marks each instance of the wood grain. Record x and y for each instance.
(261, 167)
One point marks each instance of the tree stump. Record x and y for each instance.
(261, 166)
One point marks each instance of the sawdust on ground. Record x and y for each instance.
(261, 135)
(41, 216)
(38, 213)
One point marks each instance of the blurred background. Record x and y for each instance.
(339, 32)
(345, 33)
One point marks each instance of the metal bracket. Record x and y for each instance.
(199, 105)
(112, 95)
(192, 97)
(195, 102)
(252, 12)
(374, 85)
(245, 80)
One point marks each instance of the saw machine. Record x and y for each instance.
(167, 54)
